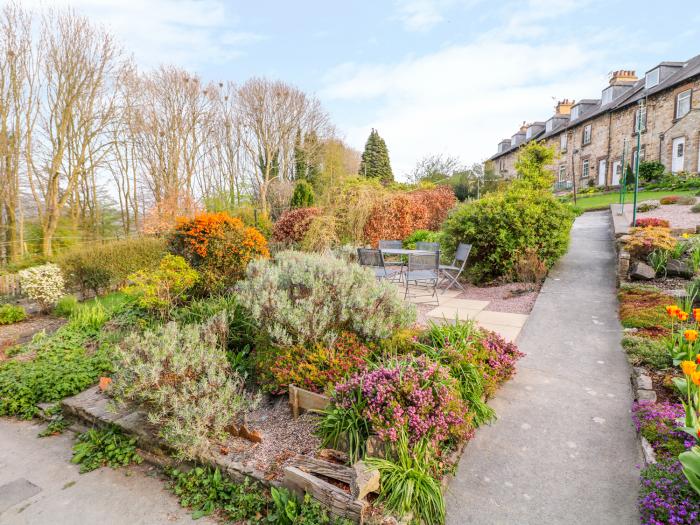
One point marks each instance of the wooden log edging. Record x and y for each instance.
(93, 408)
(301, 399)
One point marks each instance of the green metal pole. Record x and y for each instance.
(623, 186)
(636, 161)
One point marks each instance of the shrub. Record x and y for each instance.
(316, 368)
(44, 284)
(651, 171)
(695, 209)
(407, 486)
(657, 422)
(643, 241)
(10, 314)
(320, 235)
(502, 226)
(218, 246)
(413, 395)
(183, 378)
(421, 236)
(648, 222)
(161, 289)
(205, 490)
(642, 307)
(63, 366)
(293, 225)
(647, 206)
(669, 199)
(686, 200)
(666, 496)
(303, 196)
(396, 217)
(104, 447)
(98, 266)
(438, 201)
(352, 206)
(306, 298)
(254, 218)
(529, 268)
(65, 306)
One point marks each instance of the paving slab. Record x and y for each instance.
(501, 318)
(453, 312)
(563, 449)
(40, 486)
(509, 333)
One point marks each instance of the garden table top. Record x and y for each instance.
(403, 251)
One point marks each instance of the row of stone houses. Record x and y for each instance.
(591, 137)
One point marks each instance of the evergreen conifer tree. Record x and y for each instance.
(375, 159)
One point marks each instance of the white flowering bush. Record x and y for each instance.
(305, 298)
(181, 375)
(44, 284)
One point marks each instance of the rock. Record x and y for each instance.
(649, 454)
(366, 480)
(642, 272)
(676, 268)
(646, 395)
(644, 382)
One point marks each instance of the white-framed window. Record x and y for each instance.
(562, 173)
(683, 103)
(640, 119)
(585, 169)
(549, 125)
(607, 96)
(575, 112)
(587, 130)
(652, 78)
(528, 133)
(563, 141)
(641, 157)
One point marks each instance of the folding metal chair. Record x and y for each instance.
(428, 246)
(451, 272)
(423, 269)
(393, 261)
(374, 260)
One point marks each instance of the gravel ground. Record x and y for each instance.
(679, 216)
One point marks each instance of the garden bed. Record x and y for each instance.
(22, 332)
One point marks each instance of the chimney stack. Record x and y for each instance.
(622, 77)
(523, 128)
(563, 107)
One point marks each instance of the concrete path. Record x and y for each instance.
(39, 486)
(563, 450)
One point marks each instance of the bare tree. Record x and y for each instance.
(271, 113)
(435, 168)
(76, 61)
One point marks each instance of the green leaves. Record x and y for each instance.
(104, 447)
(691, 467)
(345, 426)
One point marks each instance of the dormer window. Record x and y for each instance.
(575, 112)
(652, 78)
(549, 125)
(528, 133)
(607, 96)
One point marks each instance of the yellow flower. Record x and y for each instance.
(690, 335)
(685, 235)
(688, 367)
(682, 316)
(672, 310)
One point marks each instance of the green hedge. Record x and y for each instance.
(98, 266)
(502, 226)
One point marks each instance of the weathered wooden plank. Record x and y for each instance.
(340, 503)
(323, 467)
(301, 399)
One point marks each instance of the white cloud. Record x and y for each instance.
(462, 100)
(190, 33)
(419, 15)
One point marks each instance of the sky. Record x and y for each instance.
(432, 76)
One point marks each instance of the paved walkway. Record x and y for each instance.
(563, 450)
(39, 486)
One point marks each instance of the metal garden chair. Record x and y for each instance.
(394, 260)
(374, 260)
(428, 246)
(450, 272)
(423, 270)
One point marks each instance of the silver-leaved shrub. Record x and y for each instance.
(44, 284)
(302, 298)
(180, 374)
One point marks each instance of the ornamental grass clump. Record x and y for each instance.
(413, 395)
(182, 377)
(303, 299)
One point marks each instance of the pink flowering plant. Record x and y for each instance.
(417, 395)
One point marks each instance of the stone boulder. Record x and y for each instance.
(642, 272)
(676, 268)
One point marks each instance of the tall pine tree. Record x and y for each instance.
(375, 159)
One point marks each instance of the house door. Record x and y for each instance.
(678, 155)
(602, 172)
(617, 171)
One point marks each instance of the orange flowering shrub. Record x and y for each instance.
(397, 216)
(218, 246)
(293, 225)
